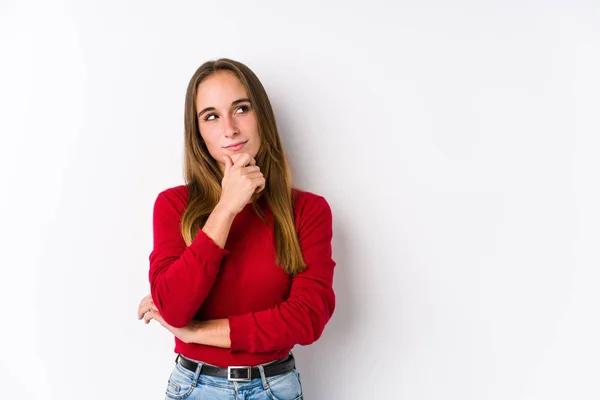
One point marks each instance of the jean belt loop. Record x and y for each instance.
(263, 377)
(197, 374)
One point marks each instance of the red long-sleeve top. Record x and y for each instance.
(268, 310)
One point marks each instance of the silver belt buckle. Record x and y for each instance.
(249, 374)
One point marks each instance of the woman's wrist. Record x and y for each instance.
(218, 224)
(211, 333)
(222, 212)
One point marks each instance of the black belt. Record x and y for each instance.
(240, 374)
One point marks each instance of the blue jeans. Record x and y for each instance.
(185, 384)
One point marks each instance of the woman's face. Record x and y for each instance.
(226, 117)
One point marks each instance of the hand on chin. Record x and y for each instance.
(236, 156)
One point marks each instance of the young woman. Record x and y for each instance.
(241, 268)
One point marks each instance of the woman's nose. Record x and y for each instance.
(230, 129)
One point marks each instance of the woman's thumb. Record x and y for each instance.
(228, 163)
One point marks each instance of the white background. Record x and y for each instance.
(456, 142)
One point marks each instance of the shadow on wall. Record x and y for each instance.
(317, 361)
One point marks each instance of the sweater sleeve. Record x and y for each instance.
(180, 276)
(302, 317)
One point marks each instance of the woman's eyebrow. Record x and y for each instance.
(236, 102)
(240, 101)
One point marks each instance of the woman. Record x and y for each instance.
(241, 268)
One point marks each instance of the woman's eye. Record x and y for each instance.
(243, 109)
(209, 117)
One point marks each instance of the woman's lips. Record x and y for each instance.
(236, 147)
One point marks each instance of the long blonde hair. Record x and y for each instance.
(203, 176)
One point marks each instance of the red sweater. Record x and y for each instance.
(268, 311)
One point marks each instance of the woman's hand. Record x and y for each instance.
(148, 311)
(241, 180)
(145, 307)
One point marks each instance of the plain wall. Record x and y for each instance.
(456, 142)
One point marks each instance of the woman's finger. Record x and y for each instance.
(260, 187)
(149, 316)
(250, 169)
(142, 308)
(146, 304)
(241, 161)
(254, 175)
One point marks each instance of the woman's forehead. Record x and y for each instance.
(220, 89)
